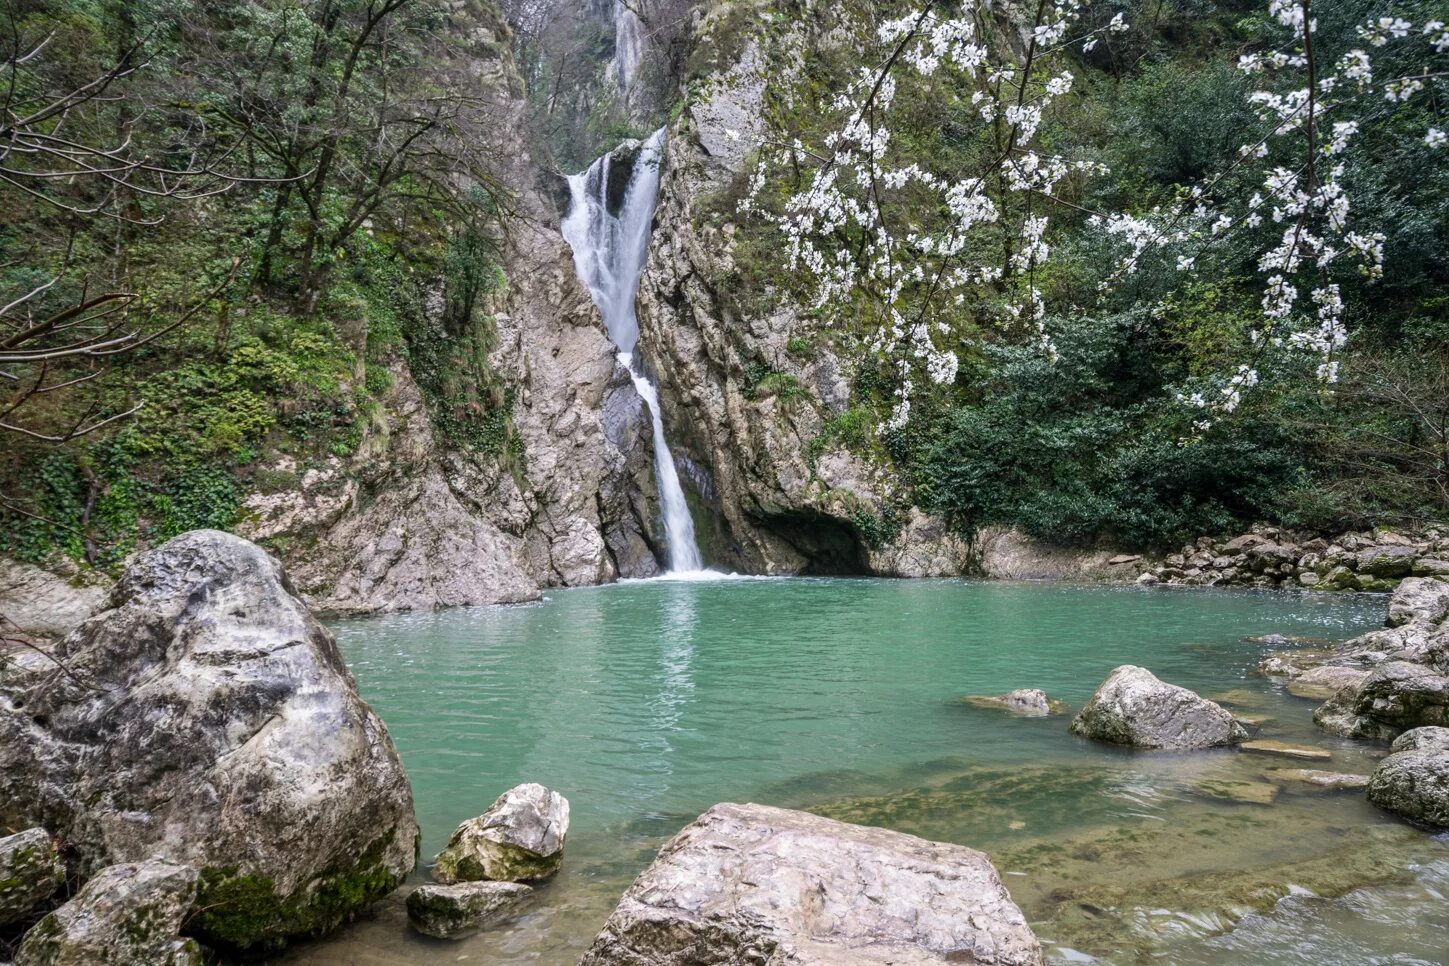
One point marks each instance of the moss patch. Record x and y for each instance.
(243, 912)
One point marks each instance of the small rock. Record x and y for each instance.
(1336, 780)
(1430, 738)
(1025, 701)
(1308, 578)
(126, 915)
(1148, 579)
(1132, 707)
(30, 873)
(1265, 746)
(1124, 558)
(1253, 722)
(1431, 567)
(520, 838)
(751, 884)
(457, 911)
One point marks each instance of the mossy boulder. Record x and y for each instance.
(209, 719)
(519, 839)
(458, 911)
(126, 915)
(30, 873)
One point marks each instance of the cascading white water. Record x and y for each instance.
(609, 254)
(628, 46)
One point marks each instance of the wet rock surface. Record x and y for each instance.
(206, 717)
(126, 915)
(520, 838)
(748, 883)
(1133, 708)
(1030, 702)
(456, 911)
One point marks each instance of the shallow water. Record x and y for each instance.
(646, 702)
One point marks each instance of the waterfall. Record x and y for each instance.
(609, 254)
(628, 46)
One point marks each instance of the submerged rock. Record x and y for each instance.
(752, 884)
(520, 838)
(1414, 785)
(1319, 778)
(30, 873)
(126, 915)
(1025, 701)
(207, 717)
(1266, 746)
(458, 911)
(1132, 707)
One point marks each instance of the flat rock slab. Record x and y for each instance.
(1235, 790)
(1254, 721)
(1336, 780)
(1239, 698)
(1265, 746)
(752, 884)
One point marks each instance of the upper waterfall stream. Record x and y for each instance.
(609, 255)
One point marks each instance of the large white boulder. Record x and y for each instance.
(206, 717)
(752, 884)
(1133, 708)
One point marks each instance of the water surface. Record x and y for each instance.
(646, 702)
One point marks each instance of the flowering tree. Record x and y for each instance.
(919, 242)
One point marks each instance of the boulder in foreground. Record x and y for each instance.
(1133, 708)
(206, 717)
(519, 839)
(30, 873)
(127, 915)
(753, 884)
(458, 911)
(1414, 785)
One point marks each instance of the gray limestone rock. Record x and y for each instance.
(1132, 707)
(458, 911)
(30, 873)
(207, 718)
(1414, 785)
(126, 915)
(751, 884)
(520, 838)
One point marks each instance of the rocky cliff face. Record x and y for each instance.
(412, 523)
(750, 415)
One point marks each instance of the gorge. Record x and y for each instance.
(937, 483)
(609, 231)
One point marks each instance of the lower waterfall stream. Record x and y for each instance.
(610, 250)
